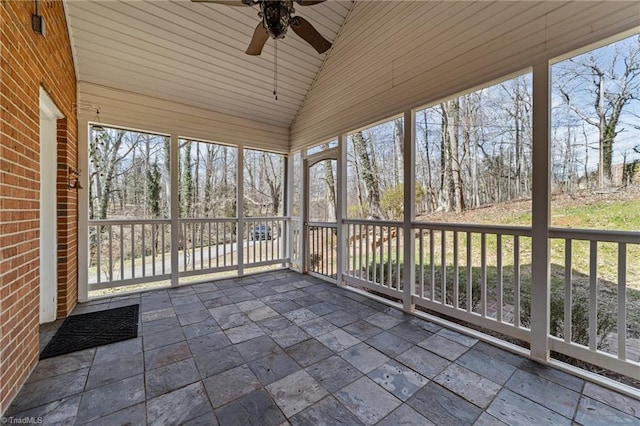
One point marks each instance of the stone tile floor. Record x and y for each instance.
(282, 348)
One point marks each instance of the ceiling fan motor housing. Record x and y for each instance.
(276, 15)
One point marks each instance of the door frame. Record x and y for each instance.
(307, 163)
(48, 285)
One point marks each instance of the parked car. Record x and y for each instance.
(261, 232)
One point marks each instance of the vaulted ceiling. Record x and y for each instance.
(193, 54)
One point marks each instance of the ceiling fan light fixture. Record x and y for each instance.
(275, 17)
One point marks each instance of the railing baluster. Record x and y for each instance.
(421, 261)
(483, 274)
(499, 277)
(398, 282)
(568, 277)
(133, 251)
(432, 268)
(382, 268)
(443, 266)
(193, 246)
(516, 280)
(353, 251)
(121, 251)
(456, 270)
(224, 245)
(99, 252)
(154, 229)
(201, 226)
(373, 253)
(622, 301)
(390, 260)
(366, 248)
(360, 268)
(144, 252)
(164, 251)
(209, 241)
(593, 295)
(469, 274)
(110, 253)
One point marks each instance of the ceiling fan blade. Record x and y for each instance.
(260, 37)
(305, 30)
(226, 2)
(309, 2)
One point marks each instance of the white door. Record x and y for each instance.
(48, 223)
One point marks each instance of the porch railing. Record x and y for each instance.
(323, 249)
(481, 274)
(138, 251)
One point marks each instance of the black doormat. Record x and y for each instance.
(85, 331)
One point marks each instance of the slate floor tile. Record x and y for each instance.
(389, 344)
(300, 316)
(364, 357)
(209, 342)
(592, 412)
(244, 332)
(111, 398)
(133, 415)
(469, 385)
(317, 326)
(34, 394)
(160, 357)
(560, 377)
(116, 351)
(162, 338)
(296, 392)
(207, 419)
(276, 365)
(516, 410)
(404, 416)
(256, 348)
(327, 412)
(444, 347)
(289, 336)
(621, 402)
(487, 366)
(340, 318)
(230, 385)
(159, 325)
(112, 371)
(170, 377)
(201, 328)
(424, 362)
(334, 373)
(499, 354)
(62, 364)
(398, 379)
(457, 337)
(383, 320)
(443, 407)
(261, 313)
(194, 317)
(62, 411)
(486, 419)
(217, 361)
(410, 332)
(256, 408)
(178, 406)
(544, 392)
(322, 308)
(362, 329)
(425, 325)
(338, 340)
(309, 352)
(368, 401)
(154, 315)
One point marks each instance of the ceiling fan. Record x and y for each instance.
(276, 19)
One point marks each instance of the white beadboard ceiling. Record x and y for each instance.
(193, 54)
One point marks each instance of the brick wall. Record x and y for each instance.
(27, 62)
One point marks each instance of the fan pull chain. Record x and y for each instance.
(275, 69)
